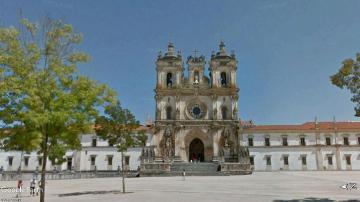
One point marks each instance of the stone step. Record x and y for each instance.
(194, 167)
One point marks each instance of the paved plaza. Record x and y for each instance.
(260, 186)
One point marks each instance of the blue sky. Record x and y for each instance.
(286, 49)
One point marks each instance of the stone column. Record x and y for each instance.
(216, 141)
(233, 78)
(178, 143)
(157, 140)
(178, 78)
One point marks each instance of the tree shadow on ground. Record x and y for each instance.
(92, 192)
(315, 200)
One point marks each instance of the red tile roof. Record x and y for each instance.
(307, 126)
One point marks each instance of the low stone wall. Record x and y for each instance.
(165, 169)
(10, 176)
(149, 169)
(236, 168)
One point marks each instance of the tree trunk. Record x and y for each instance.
(21, 158)
(43, 169)
(122, 170)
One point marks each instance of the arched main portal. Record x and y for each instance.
(196, 150)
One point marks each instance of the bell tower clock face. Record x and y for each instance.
(196, 110)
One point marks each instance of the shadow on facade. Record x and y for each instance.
(92, 193)
(316, 200)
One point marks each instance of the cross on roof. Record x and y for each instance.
(195, 52)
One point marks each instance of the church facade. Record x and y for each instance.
(196, 115)
(196, 120)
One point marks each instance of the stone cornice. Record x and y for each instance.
(211, 123)
(300, 146)
(249, 131)
(199, 91)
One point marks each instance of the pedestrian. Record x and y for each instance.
(1, 172)
(183, 175)
(138, 172)
(19, 188)
(39, 189)
(32, 187)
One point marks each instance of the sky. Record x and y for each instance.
(286, 50)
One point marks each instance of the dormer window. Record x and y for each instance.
(94, 142)
(284, 141)
(328, 140)
(169, 81)
(223, 79)
(267, 141)
(302, 141)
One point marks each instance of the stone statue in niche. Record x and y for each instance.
(244, 152)
(168, 146)
(227, 141)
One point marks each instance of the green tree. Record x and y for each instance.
(44, 103)
(348, 77)
(120, 128)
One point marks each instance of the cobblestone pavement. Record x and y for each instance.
(260, 186)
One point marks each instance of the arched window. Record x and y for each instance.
(224, 113)
(169, 81)
(168, 112)
(223, 80)
(196, 77)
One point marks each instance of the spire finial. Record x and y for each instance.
(222, 48)
(171, 51)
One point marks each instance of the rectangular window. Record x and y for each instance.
(268, 160)
(346, 141)
(26, 161)
(328, 141)
(94, 142)
(284, 141)
(359, 140)
(127, 160)
(11, 160)
(302, 141)
(40, 161)
(69, 164)
(329, 158)
(348, 160)
(250, 141)
(252, 160)
(303, 160)
(110, 160)
(286, 160)
(93, 158)
(267, 141)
